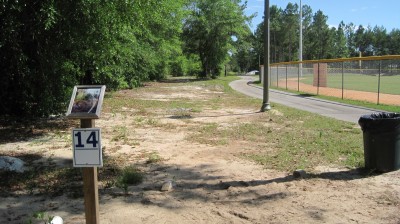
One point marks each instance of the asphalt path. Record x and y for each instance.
(326, 108)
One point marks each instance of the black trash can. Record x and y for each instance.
(381, 134)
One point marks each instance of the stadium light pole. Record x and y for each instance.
(301, 41)
(265, 105)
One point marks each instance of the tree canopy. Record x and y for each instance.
(210, 30)
(48, 46)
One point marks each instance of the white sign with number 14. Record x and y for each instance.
(86, 144)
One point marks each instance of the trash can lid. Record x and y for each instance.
(380, 122)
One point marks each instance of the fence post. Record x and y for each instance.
(342, 80)
(379, 80)
(298, 78)
(277, 76)
(270, 76)
(286, 77)
(318, 80)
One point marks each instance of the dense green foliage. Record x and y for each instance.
(49, 46)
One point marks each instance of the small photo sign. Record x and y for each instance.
(86, 102)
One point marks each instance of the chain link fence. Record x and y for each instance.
(371, 79)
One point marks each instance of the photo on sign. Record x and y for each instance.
(86, 102)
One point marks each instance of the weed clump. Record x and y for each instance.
(129, 176)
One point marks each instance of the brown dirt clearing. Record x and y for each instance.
(212, 183)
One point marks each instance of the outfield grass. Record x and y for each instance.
(368, 83)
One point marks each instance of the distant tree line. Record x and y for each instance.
(319, 40)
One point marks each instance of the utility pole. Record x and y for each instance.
(265, 105)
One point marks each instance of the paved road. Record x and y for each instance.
(327, 108)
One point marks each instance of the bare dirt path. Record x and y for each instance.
(212, 184)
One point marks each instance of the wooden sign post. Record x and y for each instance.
(85, 104)
(90, 186)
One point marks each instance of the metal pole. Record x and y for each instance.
(318, 81)
(298, 78)
(270, 76)
(277, 76)
(286, 77)
(301, 40)
(342, 80)
(379, 79)
(225, 70)
(265, 105)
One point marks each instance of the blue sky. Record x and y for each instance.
(384, 13)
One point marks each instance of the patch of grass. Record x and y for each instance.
(315, 140)
(153, 157)
(41, 217)
(291, 139)
(152, 122)
(146, 121)
(181, 112)
(209, 134)
(121, 134)
(129, 176)
(219, 84)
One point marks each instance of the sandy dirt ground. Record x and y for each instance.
(211, 184)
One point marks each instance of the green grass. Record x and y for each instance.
(129, 176)
(153, 157)
(40, 216)
(307, 140)
(368, 83)
(294, 140)
(288, 139)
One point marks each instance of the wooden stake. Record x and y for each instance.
(90, 185)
